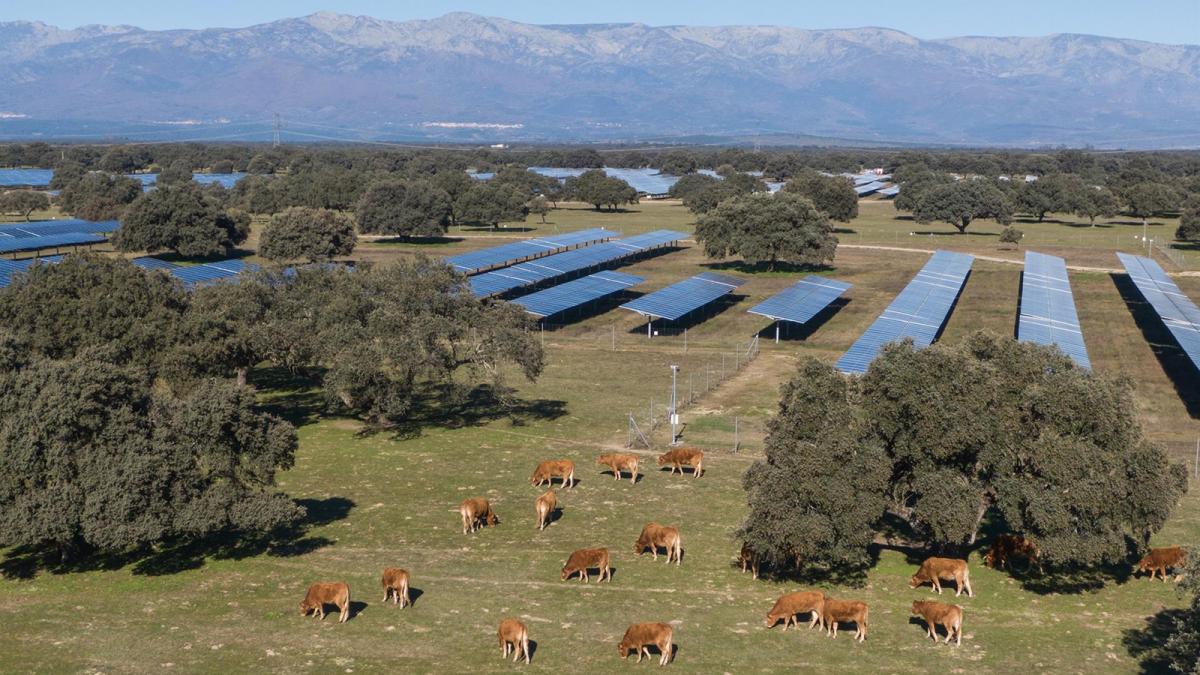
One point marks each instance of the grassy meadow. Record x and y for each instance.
(381, 500)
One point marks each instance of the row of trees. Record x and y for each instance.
(938, 197)
(776, 163)
(128, 417)
(930, 446)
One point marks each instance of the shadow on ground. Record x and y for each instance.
(25, 562)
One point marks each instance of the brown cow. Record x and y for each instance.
(583, 560)
(513, 636)
(1159, 560)
(547, 471)
(640, 636)
(834, 612)
(748, 560)
(545, 506)
(620, 463)
(680, 457)
(319, 595)
(1009, 546)
(395, 586)
(655, 536)
(476, 512)
(937, 614)
(791, 604)
(934, 570)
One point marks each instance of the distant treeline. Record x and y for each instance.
(774, 163)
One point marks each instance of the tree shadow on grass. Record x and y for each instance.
(416, 241)
(185, 554)
(294, 397)
(1145, 643)
(764, 267)
(1175, 363)
(450, 407)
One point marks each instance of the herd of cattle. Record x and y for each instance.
(823, 610)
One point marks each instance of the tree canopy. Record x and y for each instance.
(403, 208)
(23, 202)
(961, 202)
(598, 189)
(1189, 221)
(833, 195)
(307, 234)
(989, 428)
(762, 227)
(99, 196)
(180, 219)
(490, 203)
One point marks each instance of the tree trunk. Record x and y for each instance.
(983, 507)
(1041, 216)
(241, 376)
(543, 219)
(966, 220)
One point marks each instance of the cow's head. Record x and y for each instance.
(305, 608)
(662, 460)
(915, 581)
(566, 572)
(492, 518)
(772, 620)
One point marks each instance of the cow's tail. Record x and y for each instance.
(678, 550)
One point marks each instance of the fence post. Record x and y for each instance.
(651, 414)
(684, 340)
(736, 441)
(614, 337)
(737, 357)
(722, 367)
(1196, 465)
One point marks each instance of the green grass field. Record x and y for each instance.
(381, 501)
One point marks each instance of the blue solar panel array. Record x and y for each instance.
(41, 228)
(1176, 310)
(10, 267)
(30, 177)
(918, 312)
(560, 264)
(868, 188)
(575, 293)
(801, 301)
(15, 245)
(683, 297)
(1048, 308)
(193, 275)
(498, 256)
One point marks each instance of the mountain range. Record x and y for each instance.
(469, 77)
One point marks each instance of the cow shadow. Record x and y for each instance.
(625, 477)
(689, 472)
(356, 607)
(554, 516)
(1146, 643)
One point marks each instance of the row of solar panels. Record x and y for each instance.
(193, 275)
(1178, 313)
(10, 267)
(45, 234)
(507, 254)
(568, 262)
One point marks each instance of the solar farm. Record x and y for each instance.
(383, 499)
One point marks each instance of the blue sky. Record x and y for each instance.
(1175, 21)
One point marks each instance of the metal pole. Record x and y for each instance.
(722, 367)
(684, 340)
(691, 398)
(1196, 466)
(649, 322)
(542, 326)
(737, 357)
(674, 403)
(651, 413)
(776, 332)
(614, 337)
(736, 440)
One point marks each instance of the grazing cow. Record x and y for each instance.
(680, 457)
(934, 570)
(655, 536)
(1159, 560)
(545, 506)
(395, 586)
(748, 560)
(1009, 546)
(515, 637)
(583, 560)
(640, 636)
(319, 595)
(547, 471)
(476, 512)
(791, 604)
(937, 614)
(621, 463)
(834, 612)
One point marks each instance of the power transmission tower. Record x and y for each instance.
(275, 136)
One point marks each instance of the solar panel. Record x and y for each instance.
(498, 256)
(575, 293)
(41, 228)
(567, 262)
(890, 191)
(918, 312)
(148, 263)
(38, 242)
(192, 275)
(867, 188)
(1176, 310)
(1048, 308)
(30, 177)
(683, 297)
(10, 267)
(801, 301)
